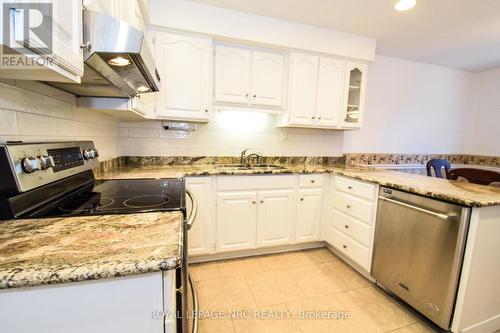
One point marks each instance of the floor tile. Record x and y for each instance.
(317, 280)
(319, 256)
(236, 267)
(273, 287)
(273, 319)
(375, 310)
(416, 328)
(204, 271)
(225, 294)
(350, 276)
(215, 326)
(324, 314)
(283, 260)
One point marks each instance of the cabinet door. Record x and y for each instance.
(275, 217)
(232, 75)
(355, 86)
(303, 89)
(331, 78)
(201, 237)
(267, 78)
(236, 220)
(308, 215)
(184, 63)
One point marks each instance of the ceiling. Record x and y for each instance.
(462, 34)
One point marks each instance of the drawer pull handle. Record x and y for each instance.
(349, 187)
(344, 246)
(346, 226)
(348, 206)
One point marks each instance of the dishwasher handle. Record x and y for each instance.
(422, 210)
(194, 210)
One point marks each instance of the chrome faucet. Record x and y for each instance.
(244, 157)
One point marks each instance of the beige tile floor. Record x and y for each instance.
(272, 293)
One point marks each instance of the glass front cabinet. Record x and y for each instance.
(352, 114)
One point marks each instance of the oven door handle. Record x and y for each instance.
(194, 210)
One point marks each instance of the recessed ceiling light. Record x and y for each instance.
(142, 89)
(119, 61)
(403, 5)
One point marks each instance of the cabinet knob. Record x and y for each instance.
(262, 201)
(344, 246)
(348, 206)
(206, 110)
(313, 117)
(253, 201)
(312, 181)
(254, 96)
(86, 46)
(319, 118)
(349, 187)
(346, 226)
(301, 199)
(246, 95)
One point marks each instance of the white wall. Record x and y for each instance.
(483, 120)
(31, 111)
(413, 107)
(227, 134)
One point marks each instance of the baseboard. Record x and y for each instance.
(255, 252)
(487, 326)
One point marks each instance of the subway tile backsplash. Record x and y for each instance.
(32, 111)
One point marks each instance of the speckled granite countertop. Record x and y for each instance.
(70, 249)
(452, 191)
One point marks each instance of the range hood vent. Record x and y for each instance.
(118, 62)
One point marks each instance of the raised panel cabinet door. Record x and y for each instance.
(184, 64)
(275, 217)
(331, 77)
(232, 75)
(354, 95)
(308, 215)
(201, 236)
(236, 220)
(303, 89)
(267, 78)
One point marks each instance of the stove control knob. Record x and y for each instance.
(30, 164)
(88, 154)
(46, 162)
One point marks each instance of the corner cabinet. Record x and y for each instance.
(185, 66)
(247, 77)
(319, 95)
(64, 63)
(354, 96)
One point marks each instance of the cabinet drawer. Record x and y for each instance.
(353, 206)
(355, 251)
(254, 182)
(352, 227)
(355, 187)
(310, 180)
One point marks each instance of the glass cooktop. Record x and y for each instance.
(119, 197)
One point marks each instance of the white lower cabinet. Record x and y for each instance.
(308, 215)
(350, 228)
(201, 237)
(236, 220)
(275, 217)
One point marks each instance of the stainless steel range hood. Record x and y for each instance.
(117, 60)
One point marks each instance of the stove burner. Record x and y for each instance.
(86, 205)
(146, 201)
(107, 192)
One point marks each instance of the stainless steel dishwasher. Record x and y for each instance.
(418, 251)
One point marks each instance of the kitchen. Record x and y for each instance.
(249, 166)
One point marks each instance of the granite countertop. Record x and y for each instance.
(452, 191)
(70, 249)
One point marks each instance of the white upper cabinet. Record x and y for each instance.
(267, 78)
(248, 77)
(184, 64)
(232, 75)
(330, 92)
(303, 89)
(354, 97)
(64, 60)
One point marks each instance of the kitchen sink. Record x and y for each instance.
(259, 167)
